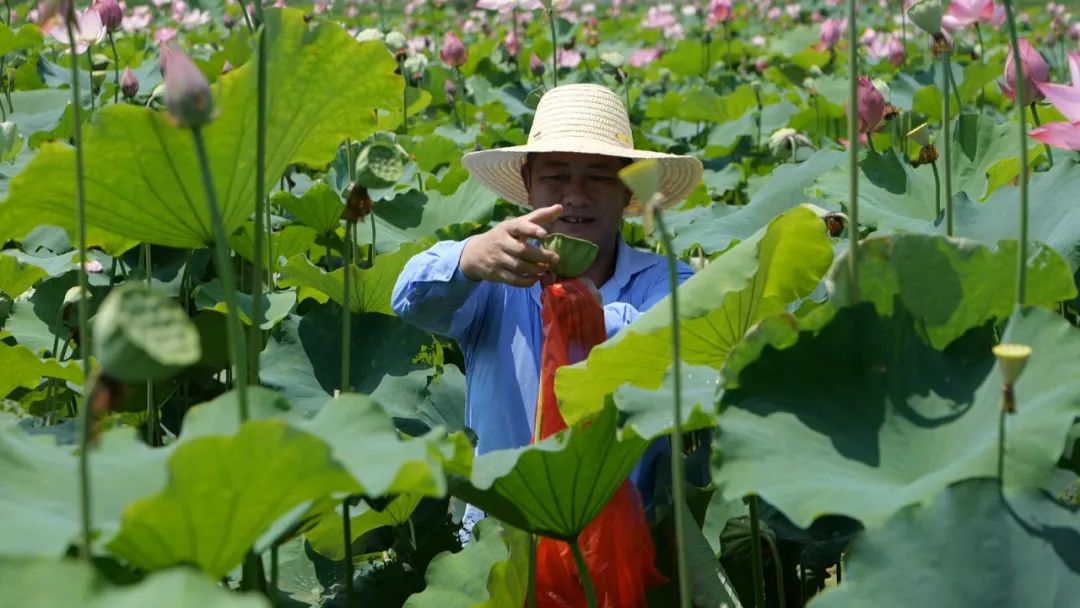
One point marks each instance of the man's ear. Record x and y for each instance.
(526, 173)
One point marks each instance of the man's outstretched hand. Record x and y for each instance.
(504, 255)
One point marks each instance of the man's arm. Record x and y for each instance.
(618, 315)
(435, 295)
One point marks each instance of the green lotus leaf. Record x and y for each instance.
(223, 493)
(490, 572)
(327, 537)
(284, 244)
(757, 278)
(275, 305)
(945, 552)
(824, 422)
(50, 584)
(413, 215)
(650, 413)
(575, 255)
(39, 488)
(145, 181)
(16, 276)
(370, 287)
(557, 486)
(319, 208)
(24, 369)
(968, 285)
(141, 334)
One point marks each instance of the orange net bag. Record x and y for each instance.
(617, 546)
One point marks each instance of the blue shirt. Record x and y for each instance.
(498, 327)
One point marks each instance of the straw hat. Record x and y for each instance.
(583, 118)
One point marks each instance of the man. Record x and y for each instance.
(484, 291)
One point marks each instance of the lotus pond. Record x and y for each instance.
(207, 399)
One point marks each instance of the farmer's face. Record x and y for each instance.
(589, 189)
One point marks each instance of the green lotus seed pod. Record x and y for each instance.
(140, 334)
(575, 255)
(927, 15)
(379, 165)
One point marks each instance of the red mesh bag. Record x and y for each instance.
(617, 547)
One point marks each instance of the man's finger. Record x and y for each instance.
(522, 229)
(531, 253)
(544, 215)
(522, 267)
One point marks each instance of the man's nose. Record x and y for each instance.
(576, 192)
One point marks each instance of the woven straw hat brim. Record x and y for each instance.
(500, 169)
(585, 119)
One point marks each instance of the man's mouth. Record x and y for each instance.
(573, 219)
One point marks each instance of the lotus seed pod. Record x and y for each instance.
(575, 255)
(927, 15)
(369, 34)
(141, 334)
(380, 165)
(920, 135)
(1012, 358)
(187, 92)
(536, 66)
(396, 42)
(72, 296)
(613, 59)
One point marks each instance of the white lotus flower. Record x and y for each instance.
(88, 31)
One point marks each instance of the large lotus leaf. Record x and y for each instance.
(61, 584)
(783, 190)
(969, 547)
(490, 572)
(284, 244)
(370, 288)
(276, 305)
(23, 369)
(894, 196)
(757, 278)
(360, 434)
(414, 215)
(39, 488)
(223, 493)
(650, 412)
(319, 208)
(16, 276)
(557, 486)
(327, 537)
(858, 416)
(302, 357)
(968, 285)
(143, 176)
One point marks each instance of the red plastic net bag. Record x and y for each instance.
(617, 547)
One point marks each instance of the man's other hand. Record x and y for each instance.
(504, 255)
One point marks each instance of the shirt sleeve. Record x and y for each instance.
(434, 294)
(618, 315)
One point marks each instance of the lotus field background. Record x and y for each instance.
(230, 414)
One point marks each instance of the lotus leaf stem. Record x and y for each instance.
(853, 148)
(778, 565)
(982, 49)
(533, 544)
(946, 144)
(274, 575)
(583, 573)
(151, 407)
(1038, 123)
(1018, 76)
(346, 524)
(89, 73)
(461, 99)
(84, 314)
(116, 68)
(955, 90)
(1001, 445)
(756, 562)
(937, 191)
(256, 337)
(554, 44)
(678, 476)
(346, 307)
(237, 353)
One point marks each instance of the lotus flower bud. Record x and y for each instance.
(512, 44)
(871, 105)
(536, 66)
(73, 295)
(927, 15)
(111, 14)
(129, 83)
(187, 92)
(453, 51)
(1035, 71)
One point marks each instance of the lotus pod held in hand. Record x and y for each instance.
(575, 255)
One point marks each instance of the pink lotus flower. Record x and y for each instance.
(93, 266)
(88, 31)
(1035, 72)
(453, 51)
(512, 44)
(111, 14)
(138, 20)
(567, 58)
(164, 35)
(830, 32)
(871, 105)
(719, 12)
(965, 13)
(536, 66)
(643, 57)
(1067, 101)
(897, 52)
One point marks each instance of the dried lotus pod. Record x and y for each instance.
(141, 334)
(575, 255)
